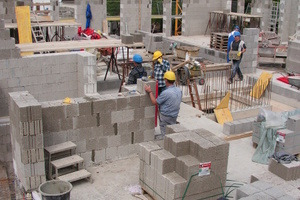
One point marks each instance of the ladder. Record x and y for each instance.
(37, 30)
(193, 90)
(274, 17)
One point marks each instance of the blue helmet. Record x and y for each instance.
(237, 34)
(137, 58)
(237, 27)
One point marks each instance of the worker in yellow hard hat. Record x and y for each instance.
(168, 102)
(160, 67)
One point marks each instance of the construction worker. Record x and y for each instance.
(168, 102)
(237, 45)
(138, 70)
(230, 40)
(160, 67)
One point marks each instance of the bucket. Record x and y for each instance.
(182, 50)
(55, 190)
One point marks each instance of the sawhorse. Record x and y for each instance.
(112, 62)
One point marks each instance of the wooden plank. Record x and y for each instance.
(46, 24)
(238, 136)
(73, 45)
(75, 176)
(68, 161)
(60, 147)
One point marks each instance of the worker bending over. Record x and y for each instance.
(237, 45)
(138, 70)
(168, 102)
(160, 68)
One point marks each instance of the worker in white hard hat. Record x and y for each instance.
(168, 102)
(160, 68)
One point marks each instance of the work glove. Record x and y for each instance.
(239, 54)
(160, 60)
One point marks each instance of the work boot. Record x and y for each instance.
(229, 81)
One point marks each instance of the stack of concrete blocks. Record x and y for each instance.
(155, 42)
(263, 9)
(104, 127)
(135, 15)
(238, 126)
(26, 130)
(5, 144)
(291, 143)
(99, 11)
(7, 44)
(7, 10)
(165, 172)
(195, 15)
(54, 13)
(167, 18)
(292, 61)
(47, 77)
(241, 6)
(87, 76)
(250, 57)
(288, 19)
(261, 190)
(287, 172)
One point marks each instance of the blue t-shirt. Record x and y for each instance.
(169, 101)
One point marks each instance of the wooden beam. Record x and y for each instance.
(238, 136)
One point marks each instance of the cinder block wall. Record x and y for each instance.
(27, 139)
(99, 11)
(250, 57)
(292, 61)
(5, 144)
(48, 77)
(7, 9)
(136, 15)
(195, 15)
(105, 127)
(7, 44)
(167, 18)
(262, 8)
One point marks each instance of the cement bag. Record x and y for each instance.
(266, 145)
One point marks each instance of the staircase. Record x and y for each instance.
(63, 165)
(274, 17)
(37, 31)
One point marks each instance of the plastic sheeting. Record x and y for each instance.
(268, 129)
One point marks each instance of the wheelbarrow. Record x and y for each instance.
(294, 81)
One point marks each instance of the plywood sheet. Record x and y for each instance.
(261, 85)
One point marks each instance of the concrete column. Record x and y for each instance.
(195, 15)
(167, 18)
(262, 8)
(284, 23)
(135, 15)
(292, 62)
(98, 9)
(241, 6)
(54, 10)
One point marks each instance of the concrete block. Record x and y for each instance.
(163, 161)
(114, 141)
(84, 121)
(261, 185)
(293, 123)
(126, 39)
(245, 191)
(141, 84)
(190, 166)
(275, 192)
(285, 171)
(87, 156)
(111, 153)
(145, 150)
(179, 145)
(287, 138)
(175, 185)
(175, 128)
(123, 151)
(149, 135)
(137, 37)
(228, 128)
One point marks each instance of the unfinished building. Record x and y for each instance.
(52, 105)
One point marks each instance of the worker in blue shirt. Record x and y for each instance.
(138, 70)
(231, 39)
(160, 68)
(168, 102)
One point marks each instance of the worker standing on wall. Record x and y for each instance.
(230, 40)
(160, 68)
(138, 70)
(237, 45)
(168, 102)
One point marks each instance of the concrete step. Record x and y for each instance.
(68, 161)
(60, 147)
(75, 176)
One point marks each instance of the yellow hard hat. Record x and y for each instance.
(157, 54)
(169, 75)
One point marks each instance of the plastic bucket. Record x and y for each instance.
(56, 190)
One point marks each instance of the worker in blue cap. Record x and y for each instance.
(239, 46)
(138, 70)
(231, 39)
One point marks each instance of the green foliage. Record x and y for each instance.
(113, 7)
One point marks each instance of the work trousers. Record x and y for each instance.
(164, 121)
(236, 69)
